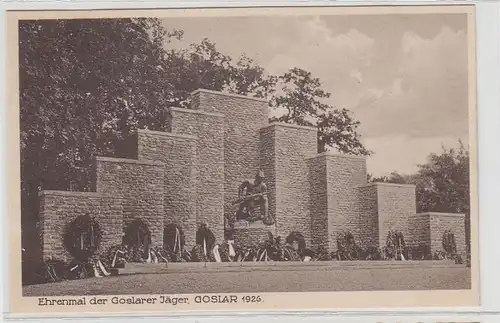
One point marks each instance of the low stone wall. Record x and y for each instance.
(58, 208)
(429, 228)
(288, 147)
(283, 266)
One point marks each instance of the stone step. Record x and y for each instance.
(195, 267)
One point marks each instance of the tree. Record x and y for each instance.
(203, 66)
(301, 97)
(443, 182)
(85, 85)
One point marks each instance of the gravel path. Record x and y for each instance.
(261, 281)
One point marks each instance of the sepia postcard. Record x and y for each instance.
(242, 159)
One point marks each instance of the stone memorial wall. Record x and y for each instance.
(190, 176)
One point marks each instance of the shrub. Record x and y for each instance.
(450, 249)
(174, 242)
(198, 254)
(118, 251)
(321, 254)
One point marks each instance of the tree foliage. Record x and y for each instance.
(301, 97)
(85, 85)
(203, 66)
(442, 184)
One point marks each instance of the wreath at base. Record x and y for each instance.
(174, 241)
(449, 244)
(395, 247)
(82, 237)
(346, 247)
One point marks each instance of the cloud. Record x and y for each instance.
(338, 59)
(429, 96)
(356, 74)
(402, 153)
(441, 58)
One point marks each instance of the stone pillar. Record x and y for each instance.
(368, 231)
(140, 185)
(396, 204)
(208, 127)
(285, 150)
(243, 118)
(334, 196)
(178, 153)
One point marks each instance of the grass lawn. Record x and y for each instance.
(262, 281)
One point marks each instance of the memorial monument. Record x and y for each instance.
(197, 174)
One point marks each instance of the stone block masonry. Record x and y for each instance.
(368, 216)
(208, 127)
(344, 173)
(318, 203)
(252, 234)
(140, 185)
(58, 208)
(243, 119)
(290, 147)
(391, 205)
(395, 205)
(429, 229)
(178, 152)
(419, 234)
(335, 178)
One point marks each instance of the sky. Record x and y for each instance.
(404, 77)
